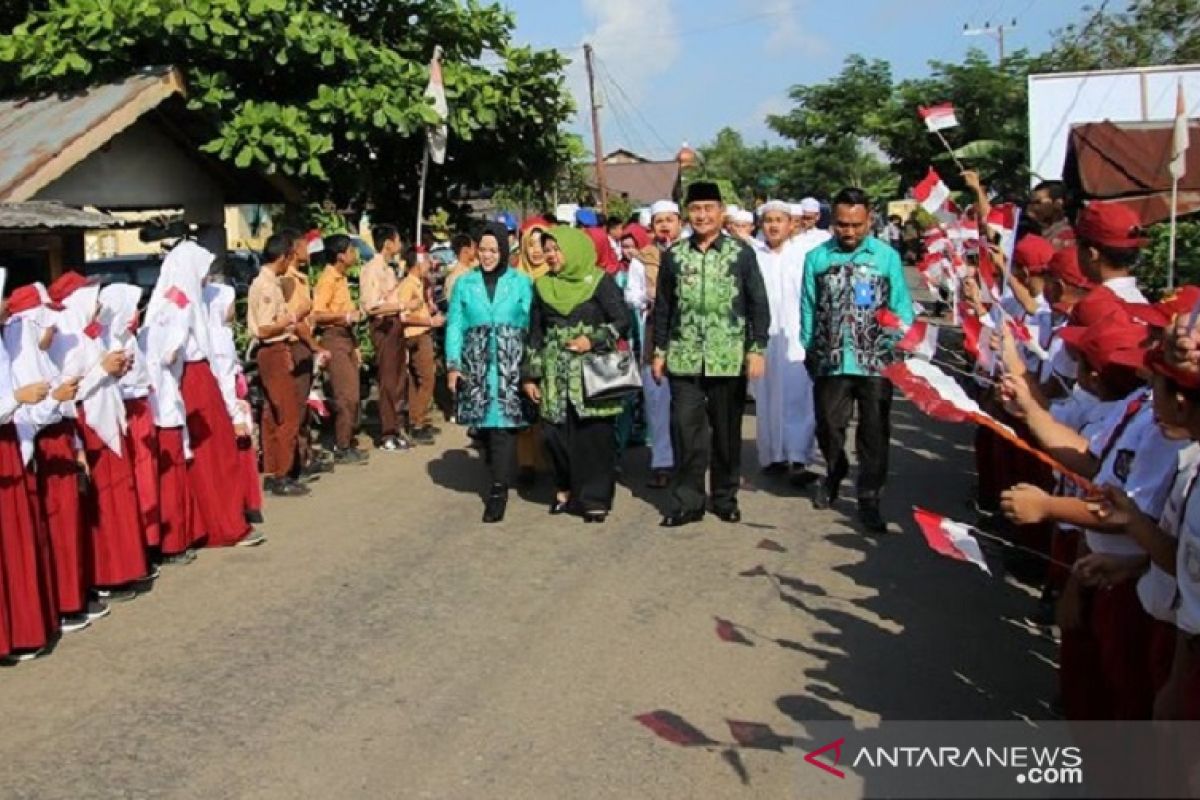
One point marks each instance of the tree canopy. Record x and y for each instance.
(329, 92)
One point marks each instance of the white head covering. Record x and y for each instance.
(218, 298)
(743, 217)
(120, 301)
(795, 209)
(80, 356)
(664, 207)
(809, 205)
(732, 211)
(185, 268)
(30, 364)
(774, 205)
(644, 217)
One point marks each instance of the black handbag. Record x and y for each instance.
(610, 376)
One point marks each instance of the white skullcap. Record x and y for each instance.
(795, 209)
(732, 211)
(644, 217)
(809, 205)
(774, 205)
(663, 207)
(743, 217)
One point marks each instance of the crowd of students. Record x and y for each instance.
(1075, 358)
(120, 433)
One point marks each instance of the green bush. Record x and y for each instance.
(1152, 271)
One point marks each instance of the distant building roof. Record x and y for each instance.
(1127, 162)
(40, 215)
(43, 137)
(623, 156)
(643, 182)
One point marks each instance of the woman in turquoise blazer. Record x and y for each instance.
(486, 328)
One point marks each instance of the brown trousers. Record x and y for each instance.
(421, 373)
(302, 372)
(390, 358)
(343, 374)
(281, 412)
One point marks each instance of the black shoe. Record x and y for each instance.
(110, 596)
(681, 519)
(252, 539)
(251, 515)
(869, 516)
(732, 515)
(421, 436)
(433, 430)
(497, 502)
(595, 516)
(351, 455)
(96, 610)
(825, 495)
(285, 487)
(69, 623)
(778, 468)
(180, 559)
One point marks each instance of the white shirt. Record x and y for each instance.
(1142, 462)
(636, 296)
(1126, 289)
(1187, 571)
(1156, 588)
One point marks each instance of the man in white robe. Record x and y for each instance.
(786, 423)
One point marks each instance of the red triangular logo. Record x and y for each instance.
(836, 747)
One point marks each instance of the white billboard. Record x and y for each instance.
(1058, 101)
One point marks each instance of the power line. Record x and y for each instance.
(637, 111)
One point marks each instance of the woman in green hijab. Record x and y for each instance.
(577, 309)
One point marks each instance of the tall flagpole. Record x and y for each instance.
(1171, 244)
(421, 193)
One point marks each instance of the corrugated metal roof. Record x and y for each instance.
(642, 183)
(43, 137)
(41, 214)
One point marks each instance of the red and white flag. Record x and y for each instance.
(949, 538)
(932, 193)
(316, 402)
(1179, 143)
(921, 339)
(1002, 220)
(933, 391)
(436, 91)
(939, 117)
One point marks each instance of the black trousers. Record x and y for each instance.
(836, 398)
(583, 454)
(706, 434)
(502, 454)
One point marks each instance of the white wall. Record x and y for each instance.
(1056, 102)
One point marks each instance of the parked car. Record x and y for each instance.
(140, 270)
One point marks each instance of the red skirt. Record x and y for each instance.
(143, 444)
(25, 560)
(174, 493)
(1123, 631)
(118, 547)
(58, 489)
(220, 502)
(251, 480)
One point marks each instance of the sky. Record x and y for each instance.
(675, 71)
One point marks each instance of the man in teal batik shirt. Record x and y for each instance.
(847, 282)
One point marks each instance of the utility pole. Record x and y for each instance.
(587, 55)
(988, 30)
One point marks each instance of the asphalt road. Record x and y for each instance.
(384, 643)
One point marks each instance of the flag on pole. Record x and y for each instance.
(932, 193)
(1179, 144)
(939, 117)
(949, 538)
(436, 91)
(921, 339)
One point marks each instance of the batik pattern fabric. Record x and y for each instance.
(842, 296)
(712, 309)
(485, 342)
(560, 372)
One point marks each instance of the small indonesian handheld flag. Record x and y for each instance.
(949, 538)
(939, 117)
(317, 403)
(176, 296)
(932, 193)
(1002, 220)
(1179, 143)
(1021, 332)
(972, 331)
(889, 319)
(436, 91)
(921, 339)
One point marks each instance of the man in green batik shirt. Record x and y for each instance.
(711, 321)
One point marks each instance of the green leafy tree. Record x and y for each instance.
(329, 92)
(1143, 33)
